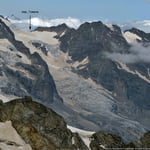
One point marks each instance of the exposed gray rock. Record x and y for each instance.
(102, 140)
(60, 29)
(143, 142)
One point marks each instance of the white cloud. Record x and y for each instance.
(142, 25)
(138, 53)
(71, 22)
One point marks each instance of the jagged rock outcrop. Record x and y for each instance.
(103, 140)
(60, 29)
(40, 126)
(143, 142)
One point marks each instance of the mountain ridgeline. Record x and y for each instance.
(97, 77)
(94, 40)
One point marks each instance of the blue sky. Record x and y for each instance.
(104, 10)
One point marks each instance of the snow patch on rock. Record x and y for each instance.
(126, 68)
(131, 37)
(110, 26)
(85, 135)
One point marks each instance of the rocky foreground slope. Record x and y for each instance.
(40, 128)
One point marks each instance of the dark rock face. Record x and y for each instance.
(127, 86)
(6, 33)
(141, 67)
(39, 126)
(144, 141)
(58, 29)
(93, 40)
(40, 46)
(27, 78)
(102, 140)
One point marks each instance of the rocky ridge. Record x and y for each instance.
(39, 126)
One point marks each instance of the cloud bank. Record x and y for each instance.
(75, 23)
(137, 53)
(142, 25)
(71, 22)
